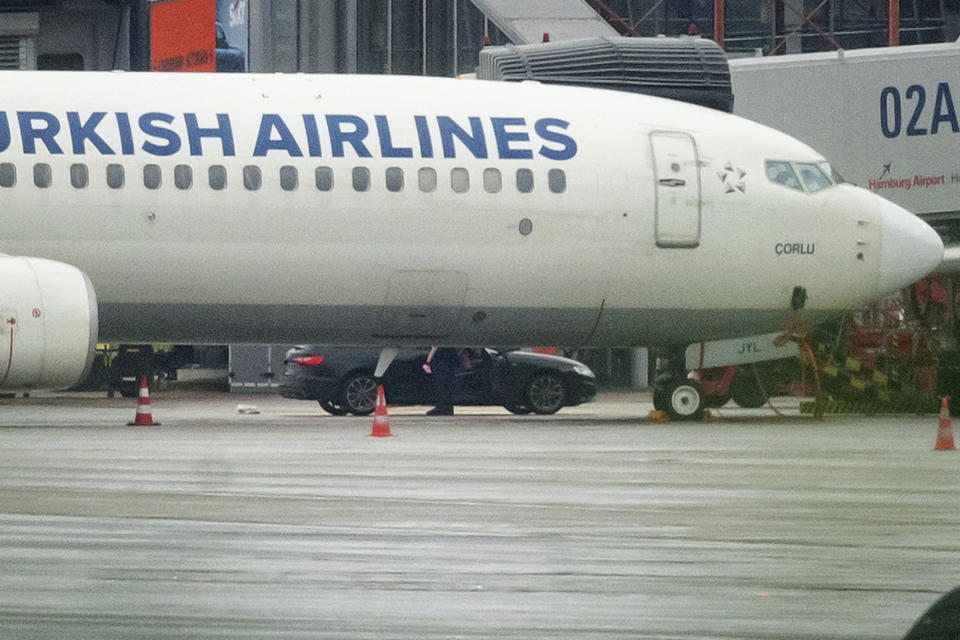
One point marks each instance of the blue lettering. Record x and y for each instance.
(81, 132)
(126, 134)
(147, 125)
(504, 138)
(29, 134)
(223, 131)
(354, 138)
(890, 97)
(313, 134)
(943, 110)
(920, 92)
(265, 141)
(423, 133)
(544, 128)
(474, 141)
(387, 150)
(4, 131)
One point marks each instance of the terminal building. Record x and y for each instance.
(445, 37)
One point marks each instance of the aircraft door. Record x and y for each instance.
(677, 176)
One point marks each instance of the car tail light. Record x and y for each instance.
(309, 361)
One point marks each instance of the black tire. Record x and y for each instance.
(745, 391)
(545, 393)
(659, 399)
(517, 409)
(333, 408)
(359, 394)
(684, 401)
(715, 402)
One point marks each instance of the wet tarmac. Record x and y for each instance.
(593, 523)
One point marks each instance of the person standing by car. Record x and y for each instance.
(442, 365)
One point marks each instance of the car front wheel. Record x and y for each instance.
(359, 395)
(545, 393)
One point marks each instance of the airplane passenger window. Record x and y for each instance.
(361, 179)
(151, 176)
(492, 180)
(324, 177)
(394, 179)
(524, 180)
(114, 176)
(42, 175)
(252, 179)
(8, 175)
(813, 177)
(557, 180)
(218, 177)
(783, 173)
(459, 180)
(427, 177)
(183, 176)
(289, 179)
(79, 175)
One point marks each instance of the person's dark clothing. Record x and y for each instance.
(444, 365)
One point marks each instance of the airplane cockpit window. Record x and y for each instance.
(79, 176)
(8, 175)
(813, 177)
(114, 176)
(783, 173)
(828, 170)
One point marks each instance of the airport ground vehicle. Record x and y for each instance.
(342, 380)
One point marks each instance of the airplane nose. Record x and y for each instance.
(909, 248)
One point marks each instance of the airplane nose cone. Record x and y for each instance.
(909, 248)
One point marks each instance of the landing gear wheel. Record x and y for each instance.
(359, 395)
(517, 409)
(333, 408)
(545, 393)
(684, 401)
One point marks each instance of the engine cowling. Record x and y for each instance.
(48, 324)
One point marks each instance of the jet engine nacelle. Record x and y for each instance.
(48, 324)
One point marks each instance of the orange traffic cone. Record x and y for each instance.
(381, 423)
(945, 430)
(144, 417)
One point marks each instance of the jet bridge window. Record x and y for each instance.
(183, 176)
(8, 175)
(79, 176)
(289, 179)
(783, 173)
(324, 178)
(151, 176)
(813, 176)
(114, 176)
(42, 175)
(218, 177)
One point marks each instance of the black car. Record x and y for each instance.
(341, 379)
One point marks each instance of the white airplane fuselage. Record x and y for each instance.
(559, 215)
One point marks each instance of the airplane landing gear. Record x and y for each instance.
(675, 394)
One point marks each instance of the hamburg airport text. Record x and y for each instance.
(311, 135)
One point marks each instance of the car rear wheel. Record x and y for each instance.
(545, 393)
(333, 408)
(359, 395)
(518, 409)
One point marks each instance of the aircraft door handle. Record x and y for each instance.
(672, 182)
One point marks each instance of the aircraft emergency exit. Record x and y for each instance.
(355, 210)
